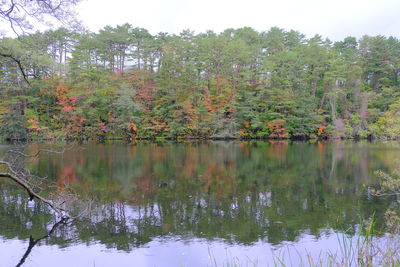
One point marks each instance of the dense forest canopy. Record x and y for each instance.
(124, 82)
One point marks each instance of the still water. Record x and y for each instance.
(198, 204)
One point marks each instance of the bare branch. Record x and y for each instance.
(22, 13)
(21, 68)
(8, 12)
(37, 153)
(32, 194)
(14, 168)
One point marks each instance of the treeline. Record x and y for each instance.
(124, 82)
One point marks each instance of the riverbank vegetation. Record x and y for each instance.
(124, 82)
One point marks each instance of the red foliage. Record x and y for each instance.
(144, 85)
(67, 103)
(67, 108)
(277, 130)
(145, 95)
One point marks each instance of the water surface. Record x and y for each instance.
(197, 204)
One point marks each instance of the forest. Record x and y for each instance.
(123, 82)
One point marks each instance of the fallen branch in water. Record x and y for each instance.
(32, 194)
(13, 166)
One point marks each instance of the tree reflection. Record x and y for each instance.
(238, 192)
(33, 242)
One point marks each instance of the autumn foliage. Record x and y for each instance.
(277, 130)
(124, 82)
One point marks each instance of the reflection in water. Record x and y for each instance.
(33, 242)
(245, 193)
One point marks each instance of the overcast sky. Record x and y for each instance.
(333, 19)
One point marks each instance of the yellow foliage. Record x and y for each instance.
(389, 124)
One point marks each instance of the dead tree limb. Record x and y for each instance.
(12, 166)
(21, 68)
(32, 194)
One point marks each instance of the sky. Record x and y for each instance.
(332, 19)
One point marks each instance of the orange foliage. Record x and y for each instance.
(189, 110)
(156, 124)
(244, 133)
(145, 95)
(190, 115)
(277, 130)
(33, 124)
(61, 92)
(321, 130)
(219, 95)
(132, 127)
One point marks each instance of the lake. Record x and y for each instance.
(198, 203)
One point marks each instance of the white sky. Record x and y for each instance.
(335, 19)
